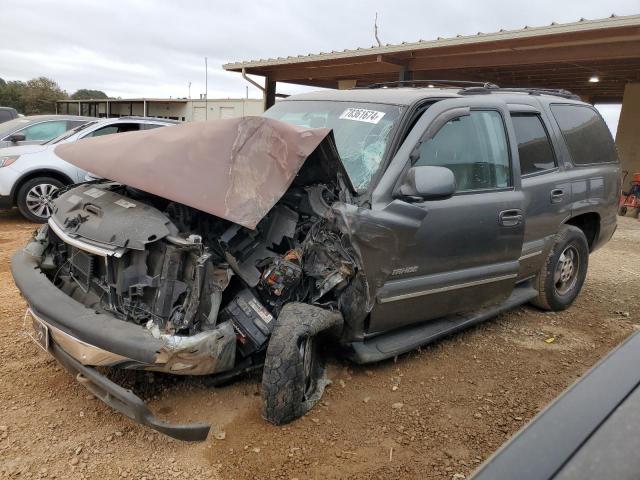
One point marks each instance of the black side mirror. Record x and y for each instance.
(427, 183)
(17, 137)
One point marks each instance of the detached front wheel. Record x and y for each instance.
(293, 376)
(562, 276)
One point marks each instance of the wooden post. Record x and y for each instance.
(269, 93)
(405, 74)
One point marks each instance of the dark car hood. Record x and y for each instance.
(236, 169)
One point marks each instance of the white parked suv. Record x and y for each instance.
(29, 174)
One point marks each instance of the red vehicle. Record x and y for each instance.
(631, 198)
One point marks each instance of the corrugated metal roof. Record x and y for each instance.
(553, 29)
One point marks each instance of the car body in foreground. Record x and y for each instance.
(591, 431)
(375, 219)
(31, 174)
(37, 129)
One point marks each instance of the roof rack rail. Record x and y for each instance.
(447, 83)
(531, 91)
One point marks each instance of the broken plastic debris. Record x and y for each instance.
(549, 340)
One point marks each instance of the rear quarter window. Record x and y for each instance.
(585, 133)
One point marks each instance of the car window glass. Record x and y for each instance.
(74, 123)
(44, 131)
(361, 131)
(116, 128)
(534, 147)
(474, 147)
(5, 115)
(585, 133)
(151, 126)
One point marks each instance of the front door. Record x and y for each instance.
(464, 254)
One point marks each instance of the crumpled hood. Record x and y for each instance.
(235, 169)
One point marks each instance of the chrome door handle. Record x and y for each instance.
(510, 218)
(557, 195)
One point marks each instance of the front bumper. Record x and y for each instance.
(80, 338)
(113, 342)
(125, 401)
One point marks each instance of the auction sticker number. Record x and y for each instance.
(362, 115)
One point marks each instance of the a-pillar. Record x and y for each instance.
(628, 136)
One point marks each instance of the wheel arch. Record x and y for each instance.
(589, 223)
(43, 172)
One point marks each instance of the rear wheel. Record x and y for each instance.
(293, 376)
(622, 211)
(562, 276)
(35, 198)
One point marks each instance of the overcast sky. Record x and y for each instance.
(154, 48)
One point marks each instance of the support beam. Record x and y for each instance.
(627, 138)
(269, 92)
(405, 74)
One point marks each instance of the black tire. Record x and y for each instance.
(562, 276)
(24, 200)
(622, 211)
(291, 386)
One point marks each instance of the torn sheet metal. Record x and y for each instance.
(236, 169)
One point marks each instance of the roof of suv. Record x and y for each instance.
(409, 95)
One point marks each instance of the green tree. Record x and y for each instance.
(40, 95)
(12, 95)
(86, 94)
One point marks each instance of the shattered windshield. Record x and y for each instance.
(361, 130)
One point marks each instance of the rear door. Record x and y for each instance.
(546, 188)
(464, 254)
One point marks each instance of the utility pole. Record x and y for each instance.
(206, 90)
(189, 90)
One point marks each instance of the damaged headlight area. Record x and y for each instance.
(208, 289)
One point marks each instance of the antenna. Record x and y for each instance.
(375, 30)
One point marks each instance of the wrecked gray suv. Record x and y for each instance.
(375, 220)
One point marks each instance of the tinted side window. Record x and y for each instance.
(474, 148)
(534, 148)
(116, 128)
(586, 135)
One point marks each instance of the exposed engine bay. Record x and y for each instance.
(187, 276)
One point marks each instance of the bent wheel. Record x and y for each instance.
(293, 376)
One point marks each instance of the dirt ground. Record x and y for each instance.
(435, 413)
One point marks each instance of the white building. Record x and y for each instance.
(182, 109)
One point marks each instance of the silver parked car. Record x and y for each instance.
(30, 174)
(37, 129)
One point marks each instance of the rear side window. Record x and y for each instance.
(115, 128)
(474, 148)
(534, 148)
(587, 137)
